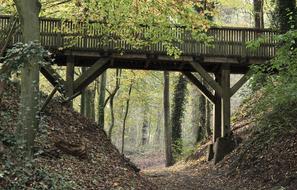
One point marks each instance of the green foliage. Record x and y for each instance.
(18, 55)
(141, 23)
(178, 109)
(279, 87)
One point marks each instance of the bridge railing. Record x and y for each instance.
(227, 42)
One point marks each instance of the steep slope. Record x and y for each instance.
(266, 158)
(69, 147)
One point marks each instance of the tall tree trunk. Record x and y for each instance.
(111, 99)
(202, 118)
(125, 116)
(167, 127)
(158, 128)
(83, 97)
(90, 103)
(259, 13)
(145, 125)
(286, 11)
(102, 100)
(208, 119)
(87, 101)
(178, 114)
(29, 12)
(195, 96)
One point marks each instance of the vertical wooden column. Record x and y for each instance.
(226, 96)
(70, 76)
(217, 111)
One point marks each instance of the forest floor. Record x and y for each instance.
(70, 152)
(257, 163)
(271, 167)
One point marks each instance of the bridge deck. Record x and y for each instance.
(229, 46)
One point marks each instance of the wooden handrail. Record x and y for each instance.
(227, 41)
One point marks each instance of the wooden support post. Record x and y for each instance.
(226, 104)
(70, 77)
(217, 119)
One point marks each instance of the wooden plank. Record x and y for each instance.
(207, 77)
(91, 74)
(200, 86)
(240, 83)
(54, 78)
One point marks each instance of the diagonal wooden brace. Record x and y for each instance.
(54, 78)
(200, 86)
(91, 74)
(240, 83)
(204, 74)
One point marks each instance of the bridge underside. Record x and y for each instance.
(238, 65)
(213, 71)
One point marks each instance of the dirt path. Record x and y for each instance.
(188, 176)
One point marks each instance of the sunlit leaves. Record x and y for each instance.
(139, 22)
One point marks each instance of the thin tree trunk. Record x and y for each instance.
(258, 13)
(125, 116)
(158, 128)
(83, 97)
(167, 127)
(111, 99)
(208, 119)
(202, 118)
(102, 100)
(195, 94)
(112, 117)
(90, 103)
(145, 125)
(29, 12)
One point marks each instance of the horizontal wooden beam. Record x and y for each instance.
(200, 86)
(240, 83)
(204, 74)
(54, 78)
(91, 74)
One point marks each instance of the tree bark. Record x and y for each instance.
(29, 16)
(202, 118)
(102, 100)
(158, 128)
(111, 99)
(286, 11)
(208, 119)
(145, 125)
(258, 13)
(83, 97)
(167, 127)
(90, 103)
(125, 116)
(178, 114)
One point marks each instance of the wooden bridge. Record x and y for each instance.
(74, 46)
